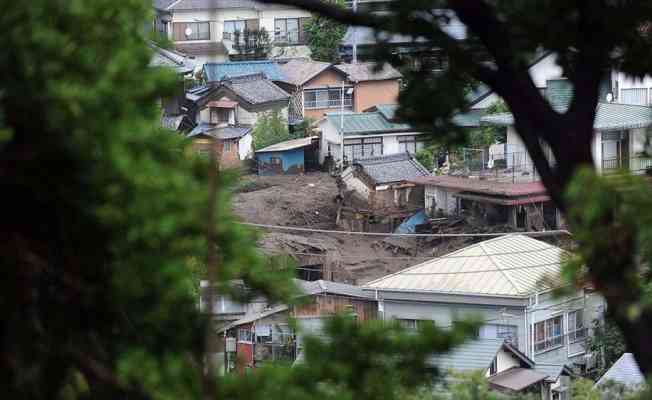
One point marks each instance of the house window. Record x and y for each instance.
(245, 335)
(191, 31)
(576, 330)
(493, 368)
(410, 144)
(227, 146)
(634, 96)
(220, 115)
(326, 98)
(508, 332)
(548, 334)
(230, 27)
(204, 152)
(356, 149)
(290, 30)
(413, 324)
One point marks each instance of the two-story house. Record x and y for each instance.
(225, 113)
(320, 87)
(205, 29)
(374, 133)
(508, 283)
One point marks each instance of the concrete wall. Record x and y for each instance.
(372, 93)
(245, 146)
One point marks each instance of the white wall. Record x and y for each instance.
(622, 82)
(355, 184)
(245, 146)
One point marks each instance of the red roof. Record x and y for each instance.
(482, 186)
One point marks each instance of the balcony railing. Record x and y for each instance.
(348, 102)
(633, 164)
(573, 339)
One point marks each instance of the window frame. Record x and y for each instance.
(357, 151)
(245, 335)
(550, 340)
(217, 112)
(327, 98)
(408, 142)
(230, 35)
(182, 36)
(283, 35)
(573, 336)
(226, 146)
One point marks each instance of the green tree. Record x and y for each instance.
(607, 343)
(502, 37)
(252, 44)
(271, 128)
(324, 35)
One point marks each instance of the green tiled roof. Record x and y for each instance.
(366, 123)
(609, 116)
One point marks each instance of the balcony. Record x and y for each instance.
(633, 164)
(334, 103)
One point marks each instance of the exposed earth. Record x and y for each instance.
(308, 201)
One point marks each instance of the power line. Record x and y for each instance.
(439, 235)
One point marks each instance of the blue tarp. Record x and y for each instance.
(410, 224)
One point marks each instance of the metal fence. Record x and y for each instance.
(513, 165)
(633, 164)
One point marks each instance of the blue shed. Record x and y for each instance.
(289, 157)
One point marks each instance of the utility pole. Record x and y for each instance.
(355, 35)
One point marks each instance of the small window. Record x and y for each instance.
(576, 330)
(245, 335)
(230, 27)
(204, 152)
(286, 30)
(220, 115)
(548, 334)
(227, 146)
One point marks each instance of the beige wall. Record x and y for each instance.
(373, 93)
(328, 78)
(227, 159)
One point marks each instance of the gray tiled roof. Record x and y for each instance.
(256, 89)
(624, 371)
(311, 288)
(219, 71)
(472, 355)
(552, 370)
(392, 168)
(366, 71)
(227, 132)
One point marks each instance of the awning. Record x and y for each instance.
(502, 200)
(516, 379)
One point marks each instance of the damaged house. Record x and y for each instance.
(225, 113)
(520, 205)
(379, 191)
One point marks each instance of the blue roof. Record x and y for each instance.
(218, 71)
(624, 371)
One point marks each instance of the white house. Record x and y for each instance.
(205, 28)
(367, 134)
(508, 283)
(620, 131)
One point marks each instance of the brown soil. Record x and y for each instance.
(307, 200)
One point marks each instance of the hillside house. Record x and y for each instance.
(263, 334)
(205, 29)
(508, 370)
(487, 202)
(374, 133)
(288, 157)
(620, 131)
(507, 282)
(227, 111)
(318, 87)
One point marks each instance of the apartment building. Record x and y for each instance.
(206, 29)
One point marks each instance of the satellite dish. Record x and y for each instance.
(610, 97)
(188, 31)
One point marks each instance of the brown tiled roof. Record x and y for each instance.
(298, 72)
(366, 71)
(483, 186)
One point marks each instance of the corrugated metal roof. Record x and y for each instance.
(625, 371)
(609, 116)
(507, 266)
(392, 168)
(218, 71)
(289, 145)
(366, 123)
(483, 186)
(516, 379)
(472, 355)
